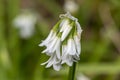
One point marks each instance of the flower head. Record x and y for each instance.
(63, 42)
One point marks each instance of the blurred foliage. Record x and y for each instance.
(100, 57)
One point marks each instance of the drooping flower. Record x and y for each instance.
(63, 42)
(25, 22)
(53, 61)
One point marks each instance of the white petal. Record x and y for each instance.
(47, 60)
(51, 46)
(66, 58)
(51, 62)
(71, 47)
(66, 32)
(44, 51)
(79, 30)
(63, 49)
(77, 43)
(57, 66)
(47, 51)
(58, 52)
(64, 24)
(44, 63)
(47, 40)
(57, 44)
(69, 60)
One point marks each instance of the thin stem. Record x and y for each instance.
(72, 71)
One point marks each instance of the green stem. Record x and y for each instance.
(72, 71)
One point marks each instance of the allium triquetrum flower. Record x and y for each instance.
(63, 42)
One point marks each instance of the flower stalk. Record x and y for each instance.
(72, 70)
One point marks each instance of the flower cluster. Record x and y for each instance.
(63, 42)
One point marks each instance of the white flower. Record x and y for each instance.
(53, 46)
(77, 44)
(66, 31)
(71, 6)
(25, 22)
(66, 58)
(53, 50)
(65, 28)
(68, 15)
(69, 52)
(79, 30)
(53, 61)
(48, 40)
(63, 24)
(63, 42)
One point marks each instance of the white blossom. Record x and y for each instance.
(69, 53)
(53, 61)
(53, 46)
(66, 31)
(79, 30)
(63, 42)
(63, 24)
(48, 40)
(71, 50)
(77, 44)
(66, 58)
(25, 22)
(53, 50)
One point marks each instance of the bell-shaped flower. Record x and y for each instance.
(63, 42)
(53, 61)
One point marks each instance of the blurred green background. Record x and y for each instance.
(20, 58)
